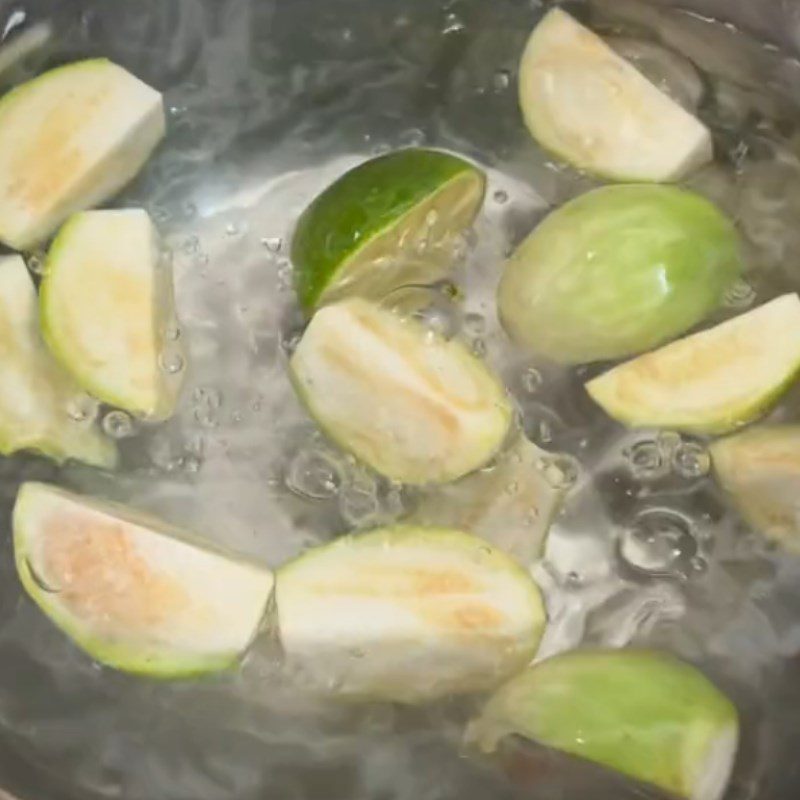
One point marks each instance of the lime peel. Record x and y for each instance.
(388, 222)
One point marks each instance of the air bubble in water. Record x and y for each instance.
(541, 423)
(272, 243)
(172, 332)
(171, 362)
(698, 564)
(659, 542)
(83, 408)
(531, 380)
(284, 275)
(500, 197)
(36, 263)
(207, 402)
(453, 24)
(574, 580)
(359, 505)
(440, 318)
(314, 474)
(474, 324)
(479, 347)
(411, 138)
(561, 471)
(740, 294)
(645, 459)
(691, 460)
(501, 80)
(118, 425)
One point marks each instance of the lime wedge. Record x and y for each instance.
(713, 381)
(389, 222)
(760, 469)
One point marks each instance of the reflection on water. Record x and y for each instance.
(268, 101)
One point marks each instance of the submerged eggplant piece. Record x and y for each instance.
(407, 614)
(647, 715)
(107, 308)
(510, 504)
(710, 382)
(133, 593)
(40, 406)
(70, 139)
(413, 406)
(591, 107)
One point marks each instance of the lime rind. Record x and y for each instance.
(371, 213)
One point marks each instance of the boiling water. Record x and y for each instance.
(268, 102)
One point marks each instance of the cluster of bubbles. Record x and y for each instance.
(316, 472)
(653, 458)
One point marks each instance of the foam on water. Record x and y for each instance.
(268, 102)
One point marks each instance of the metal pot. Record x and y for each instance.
(268, 100)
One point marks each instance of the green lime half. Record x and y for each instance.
(388, 222)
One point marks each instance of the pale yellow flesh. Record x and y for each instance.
(588, 105)
(712, 381)
(760, 469)
(107, 300)
(407, 614)
(131, 591)
(38, 400)
(413, 406)
(418, 249)
(70, 139)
